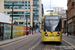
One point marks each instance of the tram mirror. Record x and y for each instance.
(44, 29)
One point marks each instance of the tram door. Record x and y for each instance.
(1, 31)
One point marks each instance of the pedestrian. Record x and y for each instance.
(67, 33)
(70, 33)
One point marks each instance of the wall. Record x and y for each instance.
(17, 31)
(70, 9)
(2, 5)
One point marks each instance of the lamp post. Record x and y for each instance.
(67, 21)
(12, 22)
(26, 21)
(33, 20)
(24, 13)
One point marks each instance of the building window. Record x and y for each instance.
(17, 12)
(25, 1)
(28, 7)
(25, 7)
(25, 23)
(8, 12)
(16, 23)
(20, 22)
(69, 0)
(28, 2)
(17, 4)
(72, 3)
(36, 2)
(29, 23)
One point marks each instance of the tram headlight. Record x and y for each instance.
(46, 34)
(58, 34)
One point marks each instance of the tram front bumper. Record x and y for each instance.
(58, 39)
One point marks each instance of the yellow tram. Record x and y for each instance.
(51, 28)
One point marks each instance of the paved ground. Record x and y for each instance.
(66, 44)
(33, 42)
(53, 46)
(22, 44)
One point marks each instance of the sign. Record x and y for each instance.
(10, 20)
(52, 18)
(70, 21)
(4, 18)
(12, 24)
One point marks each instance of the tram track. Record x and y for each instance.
(35, 43)
(42, 46)
(49, 46)
(55, 46)
(28, 43)
(23, 43)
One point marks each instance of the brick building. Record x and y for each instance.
(71, 15)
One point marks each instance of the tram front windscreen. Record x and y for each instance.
(52, 23)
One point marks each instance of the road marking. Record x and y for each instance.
(70, 37)
(14, 42)
(69, 43)
(34, 45)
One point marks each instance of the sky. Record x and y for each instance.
(54, 3)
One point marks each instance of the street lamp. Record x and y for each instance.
(33, 20)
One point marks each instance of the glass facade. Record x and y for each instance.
(29, 5)
(25, 5)
(27, 14)
(17, 5)
(18, 15)
(35, 12)
(22, 5)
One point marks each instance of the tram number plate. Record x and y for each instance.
(51, 35)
